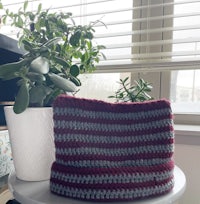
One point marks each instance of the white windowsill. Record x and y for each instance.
(187, 134)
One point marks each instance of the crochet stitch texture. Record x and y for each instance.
(112, 152)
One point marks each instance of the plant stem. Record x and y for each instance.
(139, 92)
(127, 91)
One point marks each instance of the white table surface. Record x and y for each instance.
(39, 193)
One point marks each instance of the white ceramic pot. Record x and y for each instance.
(32, 143)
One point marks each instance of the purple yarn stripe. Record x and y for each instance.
(75, 144)
(168, 166)
(116, 133)
(113, 186)
(94, 157)
(96, 105)
(99, 119)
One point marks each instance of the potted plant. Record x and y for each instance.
(137, 92)
(57, 51)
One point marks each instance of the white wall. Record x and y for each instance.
(187, 157)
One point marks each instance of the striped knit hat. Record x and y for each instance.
(112, 152)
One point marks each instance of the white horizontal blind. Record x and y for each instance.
(140, 35)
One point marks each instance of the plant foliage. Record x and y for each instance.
(1, 5)
(137, 92)
(57, 51)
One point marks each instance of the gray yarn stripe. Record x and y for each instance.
(112, 139)
(115, 151)
(108, 178)
(111, 194)
(77, 125)
(105, 163)
(109, 115)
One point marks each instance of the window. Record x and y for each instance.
(157, 40)
(185, 85)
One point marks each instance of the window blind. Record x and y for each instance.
(139, 35)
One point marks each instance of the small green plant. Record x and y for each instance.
(138, 92)
(57, 51)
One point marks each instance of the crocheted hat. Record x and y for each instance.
(112, 152)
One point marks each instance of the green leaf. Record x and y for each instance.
(62, 83)
(74, 40)
(36, 77)
(39, 8)
(27, 45)
(11, 76)
(89, 35)
(74, 70)
(4, 18)
(104, 57)
(31, 15)
(8, 69)
(89, 44)
(62, 62)
(38, 95)
(20, 40)
(111, 96)
(53, 41)
(82, 69)
(37, 26)
(7, 12)
(50, 98)
(41, 22)
(19, 22)
(25, 5)
(22, 98)
(1, 6)
(76, 81)
(40, 65)
(125, 80)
